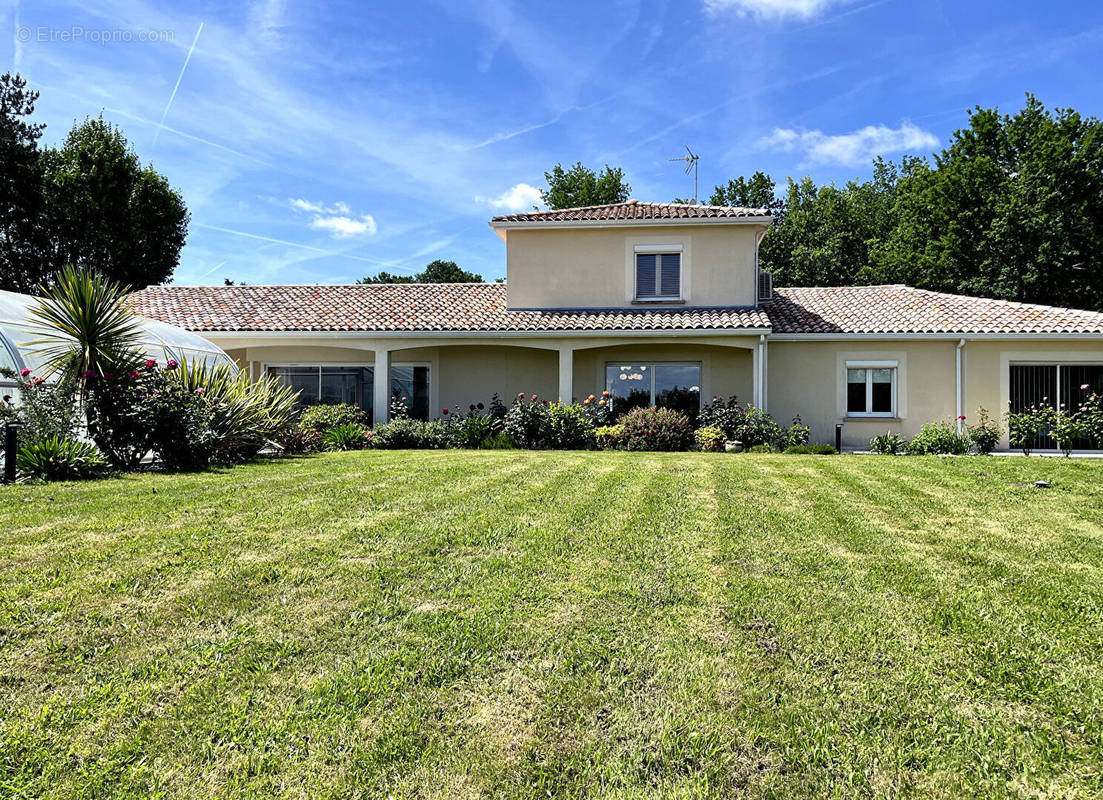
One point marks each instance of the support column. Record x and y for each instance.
(961, 386)
(758, 369)
(381, 387)
(764, 370)
(566, 373)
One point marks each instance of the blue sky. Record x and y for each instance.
(316, 142)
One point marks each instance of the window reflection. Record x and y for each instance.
(675, 386)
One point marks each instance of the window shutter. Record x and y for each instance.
(672, 275)
(645, 275)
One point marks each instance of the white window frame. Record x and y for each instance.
(650, 366)
(658, 250)
(869, 366)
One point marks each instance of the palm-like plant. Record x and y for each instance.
(245, 414)
(88, 327)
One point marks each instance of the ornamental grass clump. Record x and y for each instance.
(349, 436)
(57, 459)
(662, 429)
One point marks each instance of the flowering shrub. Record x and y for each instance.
(656, 429)
(46, 409)
(1091, 414)
(323, 417)
(985, 435)
(888, 444)
(599, 410)
(179, 419)
(724, 414)
(528, 421)
(347, 436)
(1066, 428)
(1024, 427)
(609, 437)
(710, 438)
(938, 438)
(57, 459)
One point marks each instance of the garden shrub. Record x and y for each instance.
(1091, 414)
(710, 438)
(599, 410)
(1066, 428)
(609, 437)
(499, 441)
(746, 424)
(761, 448)
(323, 417)
(528, 421)
(57, 459)
(179, 419)
(569, 427)
(349, 436)
(406, 433)
(661, 429)
(938, 438)
(473, 429)
(810, 450)
(888, 444)
(295, 441)
(985, 435)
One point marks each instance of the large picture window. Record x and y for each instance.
(870, 389)
(329, 385)
(676, 386)
(1058, 386)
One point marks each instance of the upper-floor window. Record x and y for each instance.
(658, 275)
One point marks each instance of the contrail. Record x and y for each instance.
(179, 78)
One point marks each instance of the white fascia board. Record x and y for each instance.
(459, 335)
(948, 337)
(631, 223)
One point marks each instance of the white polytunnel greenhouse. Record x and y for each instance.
(160, 341)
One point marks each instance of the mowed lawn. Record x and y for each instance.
(515, 624)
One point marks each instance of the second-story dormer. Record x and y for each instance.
(633, 255)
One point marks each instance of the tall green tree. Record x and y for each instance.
(757, 191)
(1012, 209)
(108, 213)
(22, 232)
(435, 272)
(581, 186)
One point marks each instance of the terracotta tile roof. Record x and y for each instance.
(902, 309)
(405, 307)
(476, 307)
(634, 210)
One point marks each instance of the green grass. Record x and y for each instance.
(512, 624)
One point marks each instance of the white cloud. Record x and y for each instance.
(849, 149)
(336, 220)
(770, 9)
(521, 197)
(344, 227)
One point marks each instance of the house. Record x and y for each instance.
(659, 304)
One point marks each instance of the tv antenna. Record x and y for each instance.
(691, 164)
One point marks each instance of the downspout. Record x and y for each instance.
(960, 386)
(760, 401)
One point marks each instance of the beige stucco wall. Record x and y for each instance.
(471, 374)
(809, 379)
(594, 268)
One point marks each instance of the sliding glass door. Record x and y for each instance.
(332, 384)
(1059, 386)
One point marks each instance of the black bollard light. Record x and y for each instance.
(839, 436)
(11, 445)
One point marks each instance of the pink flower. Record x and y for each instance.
(88, 374)
(150, 363)
(200, 390)
(534, 397)
(172, 364)
(37, 381)
(520, 395)
(1085, 386)
(135, 374)
(23, 373)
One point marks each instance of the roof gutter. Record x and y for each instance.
(495, 334)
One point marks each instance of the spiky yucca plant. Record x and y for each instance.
(87, 326)
(245, 414)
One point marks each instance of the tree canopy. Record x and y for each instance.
(1011, 209)
(435, 272)
(89, 203)
(581, 186)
